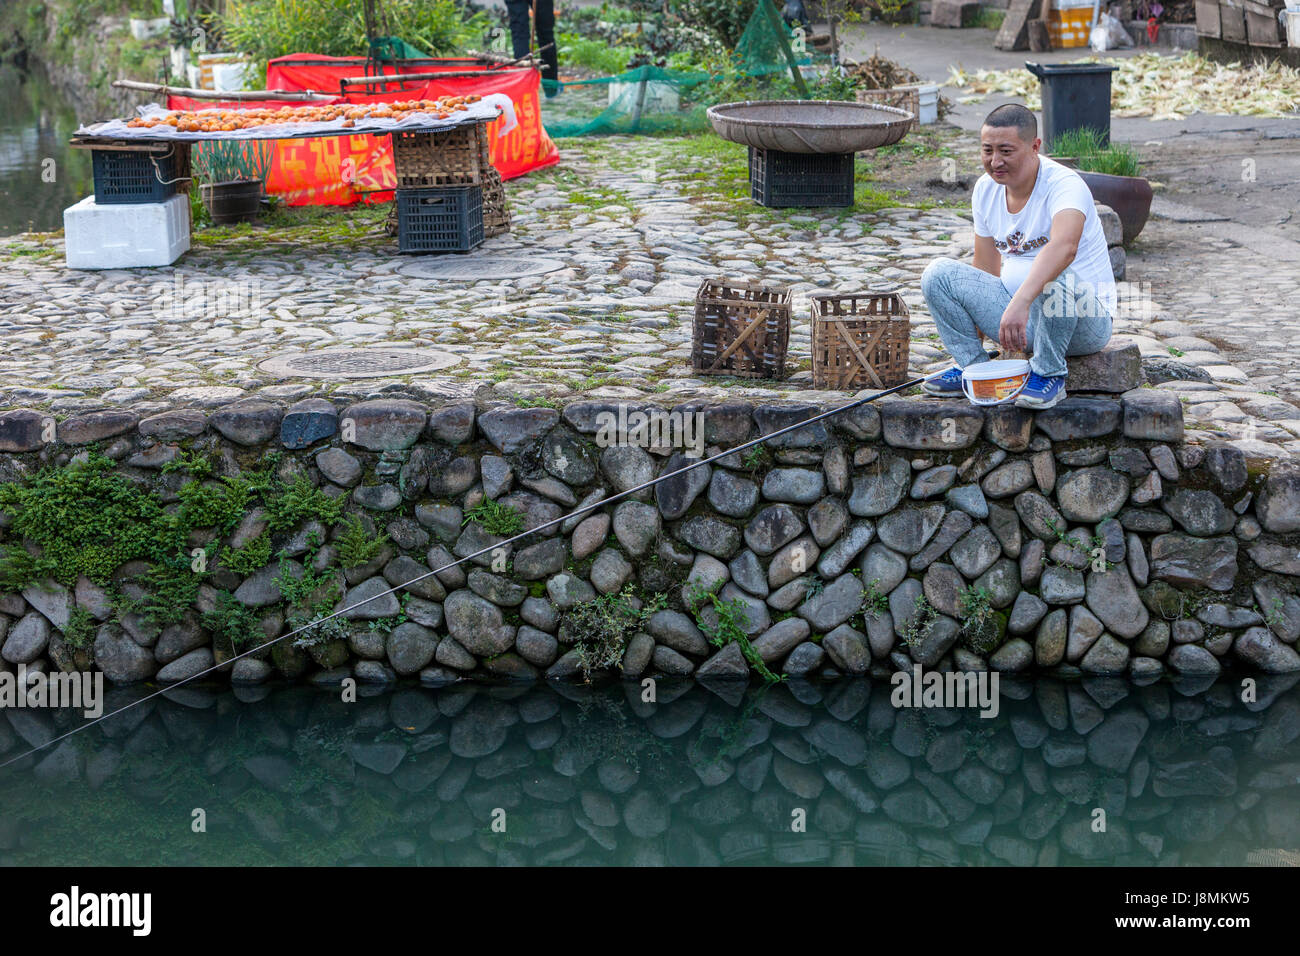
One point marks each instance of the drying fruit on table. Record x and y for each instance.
(222, 120)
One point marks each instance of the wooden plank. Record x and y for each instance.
(1014, 32)
(1207, 18)
(1232, 21)
(1262, 29)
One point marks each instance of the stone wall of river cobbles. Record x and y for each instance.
(1087, 538)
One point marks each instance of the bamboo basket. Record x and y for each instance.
(496, 211)
(742, 328)
(904, 97)
(454, 157)
(860, 340)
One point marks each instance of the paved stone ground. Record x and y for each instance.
(635, 228)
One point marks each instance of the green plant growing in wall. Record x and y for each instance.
(384, 625)
(728, 626)
(218, 505)
(251, 557)
(757, 459)
(1275, 619)
(873, 602)
(86, 519)
(600, 629)
(170, 587)
(79, 632)
(233, 624)
(500, 520)
(982, 626)
(915, 630)
(19, 568)
(197, 465)
(356, 545)
(287, 505)
(310, 598)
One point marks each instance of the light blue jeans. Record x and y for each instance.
(1066, 319)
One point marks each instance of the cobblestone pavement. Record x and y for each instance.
(634, 225)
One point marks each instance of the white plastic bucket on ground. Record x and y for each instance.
(996, 382)
(928, 97)
(126, 235)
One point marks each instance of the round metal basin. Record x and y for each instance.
(810, 126)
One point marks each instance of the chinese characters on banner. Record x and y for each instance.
(340, 170)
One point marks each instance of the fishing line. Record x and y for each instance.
(578, 512)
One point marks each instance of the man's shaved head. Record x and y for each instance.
(1014, 115)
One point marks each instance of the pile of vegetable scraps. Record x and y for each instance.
(1162, 87)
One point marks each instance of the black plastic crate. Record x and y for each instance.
(779, 179)
(443, 219)
(138, 176)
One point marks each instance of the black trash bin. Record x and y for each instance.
(1075, 95)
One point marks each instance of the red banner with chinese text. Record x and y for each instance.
(340, 170)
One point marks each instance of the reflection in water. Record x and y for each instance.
(35, 125)
(1186, 774)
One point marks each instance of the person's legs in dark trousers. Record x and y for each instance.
(520, 31)
(545, 12)
(520, 34)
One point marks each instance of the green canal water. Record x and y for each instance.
(40, 175)
(792, 774)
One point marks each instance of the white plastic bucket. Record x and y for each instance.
(994, 383)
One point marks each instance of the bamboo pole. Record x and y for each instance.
(233, 95)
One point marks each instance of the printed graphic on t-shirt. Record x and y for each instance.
(1015, 244)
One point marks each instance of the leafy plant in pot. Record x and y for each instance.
(232, 175)
(1112, 174)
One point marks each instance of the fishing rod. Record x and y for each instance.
(578, 512)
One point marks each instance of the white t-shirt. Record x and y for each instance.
(1019, 236)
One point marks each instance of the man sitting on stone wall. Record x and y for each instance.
(1042, 279)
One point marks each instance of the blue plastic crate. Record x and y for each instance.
(443, 219)
(137, 176)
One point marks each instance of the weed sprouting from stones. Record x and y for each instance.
(728, 627)
(232, 624)
(919, 626)
(357, 546)
(287, 505)
(251, 557)
(496, 518)
(79, 634)
(600, 629)
(982, 626)
(170, 587)
(873, 602)
(310, 597)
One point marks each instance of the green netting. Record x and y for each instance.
(394, 48)
(650, 99)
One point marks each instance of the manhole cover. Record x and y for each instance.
(358, 363)
(473, 268)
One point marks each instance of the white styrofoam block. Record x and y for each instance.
(231, 76)
(142, 29)
(126, 235)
